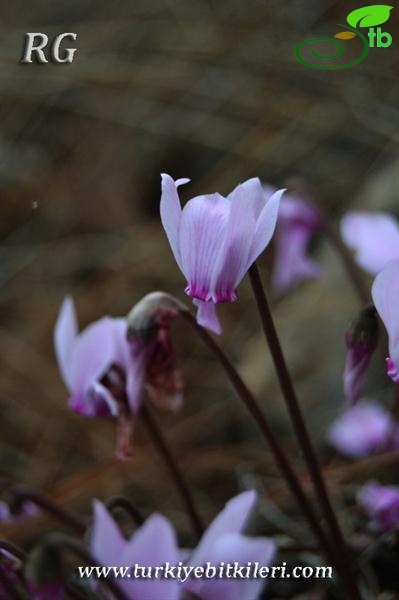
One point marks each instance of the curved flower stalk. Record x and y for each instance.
(373, 236)
(381, 503)
(155, 544)
(385, 293)
(362, 430)
(106, 374)
(298, 220)
(216, 239)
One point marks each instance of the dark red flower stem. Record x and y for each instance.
(300, 429)
(348, 263)
(174, 470)
(281, 459)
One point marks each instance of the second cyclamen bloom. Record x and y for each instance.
(216, 239)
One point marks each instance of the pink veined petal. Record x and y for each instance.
(94, 352)
(202, 231)
(265, 226)
(255, 193)
(373, 236)
(171, 212)
(207, 316)
(234, 548)
(247, 201)
(385, 293)
(106, 540)
(65, 334)
(231, 519)
(154, 544)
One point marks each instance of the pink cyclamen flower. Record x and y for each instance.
(107, 374)
(216, 239)
(385, 293)
(155, 544)
(361, 342)
(298, 220)
(381, 502)
(362, 430)
(373, 236)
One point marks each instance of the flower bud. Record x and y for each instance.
(361, 341)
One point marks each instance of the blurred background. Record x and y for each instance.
(206, 89)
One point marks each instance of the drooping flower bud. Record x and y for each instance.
(148, 333)
(361, 341)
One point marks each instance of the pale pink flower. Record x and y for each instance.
(216, 239)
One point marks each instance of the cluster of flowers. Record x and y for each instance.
(111, 365)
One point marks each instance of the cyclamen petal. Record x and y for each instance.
(381, 502)
(363, 430)
(233, 548)
(207, 316)
(155, 544)
(203, 226)
(65, 334)
(298, 221)
(215, 240)
(385, 293)
(373, 236)
(171, 212)
(231, 519)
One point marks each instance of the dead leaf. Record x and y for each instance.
(345, 35)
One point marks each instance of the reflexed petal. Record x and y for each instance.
(65, 333)
(234, 548)
(362, 430)
(292, 264)
(106, 540)
(207, 316)
(153, 545)
(255, 195)
(373, 236)
(202, 231)
(231, 519)
(247, 201)
(171, 212)
(381, 502)
(94, 352)
(265, 226)
(385, 293)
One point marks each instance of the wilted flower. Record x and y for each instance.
(381, 502)
(298, 220)
(151, 345)
(216, 239)
(362, 430)
(154, 544)
(361, 342)
(374, 237)
(107, 374)
(385, 293)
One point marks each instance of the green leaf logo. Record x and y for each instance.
(369, 16)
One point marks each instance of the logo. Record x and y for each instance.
(367, 17)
